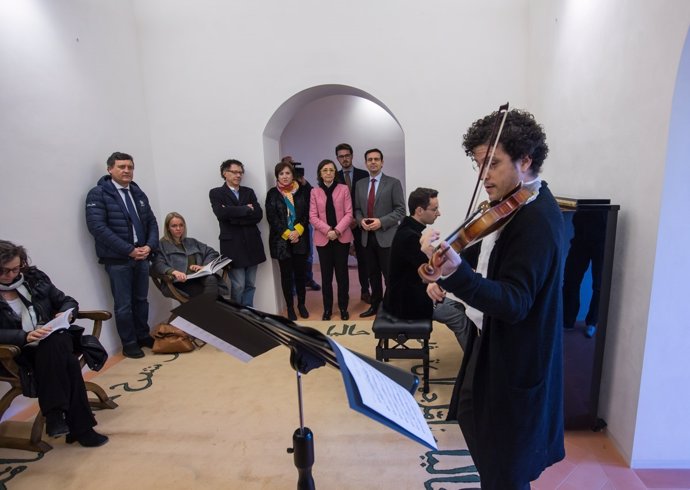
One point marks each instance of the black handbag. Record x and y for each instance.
(89, 346)
(27, 378)
(94, 352)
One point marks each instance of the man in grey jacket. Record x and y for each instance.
(379, 208)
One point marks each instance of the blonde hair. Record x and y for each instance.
(166, 230)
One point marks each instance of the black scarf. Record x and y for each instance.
(330, 208)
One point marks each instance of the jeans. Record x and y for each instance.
(242, 284)
(452, 313)
(130, 286)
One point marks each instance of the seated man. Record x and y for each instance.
(406, 294)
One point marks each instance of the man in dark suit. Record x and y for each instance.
(238, 213)
(379, 208)
(350, 175)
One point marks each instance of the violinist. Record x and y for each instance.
(508, 397)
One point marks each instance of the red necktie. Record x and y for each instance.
(370, 200)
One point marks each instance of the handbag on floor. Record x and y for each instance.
(168, 339)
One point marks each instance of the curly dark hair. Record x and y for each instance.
(9, 251)
(522, 136)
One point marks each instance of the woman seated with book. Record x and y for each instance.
(28, 302)
(184, 259)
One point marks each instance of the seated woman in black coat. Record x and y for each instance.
(179, 255)
(28, 300)
(287, 212)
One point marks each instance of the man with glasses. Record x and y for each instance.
(508, 398)
(124, 227)
(349, 175)
(238, 213)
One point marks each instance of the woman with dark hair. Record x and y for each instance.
(330, 213)
(29, 300)
(287, 212)
(179, 255)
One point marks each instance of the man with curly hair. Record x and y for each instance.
(508, 398)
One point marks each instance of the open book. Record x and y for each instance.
(211, 268)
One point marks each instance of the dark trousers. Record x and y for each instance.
(360, 253)
(208, 284)
(59, 380)
(130, 286)
(297, 265)
(488, 480)
(377, 259)
(576, 265)
(333, 257)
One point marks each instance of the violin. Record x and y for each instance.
(487, 217)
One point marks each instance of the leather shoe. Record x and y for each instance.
(90, 438)
(326, 315)
(370, 312)
(314, 286)
(146, 342)
(303, 312)
(344, 315)
(56, 425)
(366, 297)
(133, 351)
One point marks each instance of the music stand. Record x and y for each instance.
(245, 333)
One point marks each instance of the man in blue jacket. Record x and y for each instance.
(124, 227)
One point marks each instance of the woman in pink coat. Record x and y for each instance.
(330, 213)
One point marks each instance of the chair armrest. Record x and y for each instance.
(8, 353)
(98, 317)
(95, 315)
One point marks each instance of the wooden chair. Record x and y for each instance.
(388, 328)
(9, 372)
(165, 283)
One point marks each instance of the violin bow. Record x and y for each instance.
(496, 131)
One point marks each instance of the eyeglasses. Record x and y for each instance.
(348, 155)
(477, 166)
(236, 172)
(14, 270)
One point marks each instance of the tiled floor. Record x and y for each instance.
(592, 462)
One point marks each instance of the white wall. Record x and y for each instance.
(216, 72)
(602, 79)
(664, 397)
(71, 93)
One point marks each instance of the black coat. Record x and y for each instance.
(276, 214)
(518, 384)
(240, 238)
(47, 301)
(406, 293)
(108, 221)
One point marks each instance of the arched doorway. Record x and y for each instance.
(311, 123)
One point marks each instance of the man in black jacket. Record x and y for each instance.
(508, 398)
(124, 227)
(238, 213)
(406, 296)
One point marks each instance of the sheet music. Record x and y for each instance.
(386, 397)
